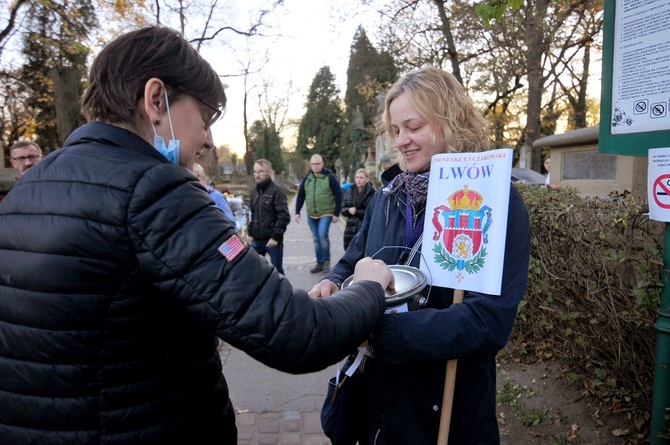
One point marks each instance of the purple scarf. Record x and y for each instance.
(413, 184)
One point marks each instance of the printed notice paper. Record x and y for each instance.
(464, 232)
(658, 184)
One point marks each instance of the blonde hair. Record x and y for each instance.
(364, 171)
(199, 172)
(264, 163)
(440, 99)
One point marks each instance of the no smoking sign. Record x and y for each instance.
(662, 191)
(658, 184)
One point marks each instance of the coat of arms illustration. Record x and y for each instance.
(462, 225)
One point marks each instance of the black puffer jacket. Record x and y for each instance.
(359, 200)
(269, 212)
(112, 294)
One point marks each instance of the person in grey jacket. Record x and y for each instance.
(117, 272)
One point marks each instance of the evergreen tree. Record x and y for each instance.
(266, 144)
(56, 57)
(357, 137)
(369, 73)
(321, 126)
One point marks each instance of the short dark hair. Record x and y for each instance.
(24, 143)
(123, 67)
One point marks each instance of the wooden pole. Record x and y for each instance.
(448, 394)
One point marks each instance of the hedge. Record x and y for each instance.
(594, 288)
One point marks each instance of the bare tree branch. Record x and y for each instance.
(207, 23)
(11, 22)
(253, 30)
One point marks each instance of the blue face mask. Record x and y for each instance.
(171, 152)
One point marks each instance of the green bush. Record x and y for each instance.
(594, 287)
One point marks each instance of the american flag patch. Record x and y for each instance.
(231, 248)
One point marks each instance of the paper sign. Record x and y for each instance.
(658, 184)
(464, 233)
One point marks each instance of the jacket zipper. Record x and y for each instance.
(377, 436)
(314, 191)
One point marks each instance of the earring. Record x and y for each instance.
(158, 121)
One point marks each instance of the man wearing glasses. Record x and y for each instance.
(269, 215)
(24, 155)
(322, 193)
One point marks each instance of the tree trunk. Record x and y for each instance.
(580, 112)
(451, 46)
(248, 155)
(536, 12)
(66, 84)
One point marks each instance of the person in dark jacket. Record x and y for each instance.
(321, 191)
(354, 203)
(269, 215)
(118, 272)
(428, 112)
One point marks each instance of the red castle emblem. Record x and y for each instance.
(463, 231)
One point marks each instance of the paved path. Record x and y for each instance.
(274, 407)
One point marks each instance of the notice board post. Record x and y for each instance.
(660, 410)
(635, 117)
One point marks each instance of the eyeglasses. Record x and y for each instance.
(22, 159)
(217, 112)
(316, 163)
(258, 172)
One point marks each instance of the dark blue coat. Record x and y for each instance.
(406, 375)
(113, 293)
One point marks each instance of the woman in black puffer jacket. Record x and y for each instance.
(118, 272)
(355, 201)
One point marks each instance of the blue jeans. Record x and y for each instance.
(276, 253)
(320, 228)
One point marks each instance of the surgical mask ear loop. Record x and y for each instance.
(167, 106)
(172, 151)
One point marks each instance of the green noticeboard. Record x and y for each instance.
(635, 97)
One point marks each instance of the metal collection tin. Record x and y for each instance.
(410, 285)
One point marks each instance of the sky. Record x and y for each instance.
(309, 34)
(302, 37)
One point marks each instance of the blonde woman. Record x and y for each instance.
(428, 112)
(218, 197)
(355, 201)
